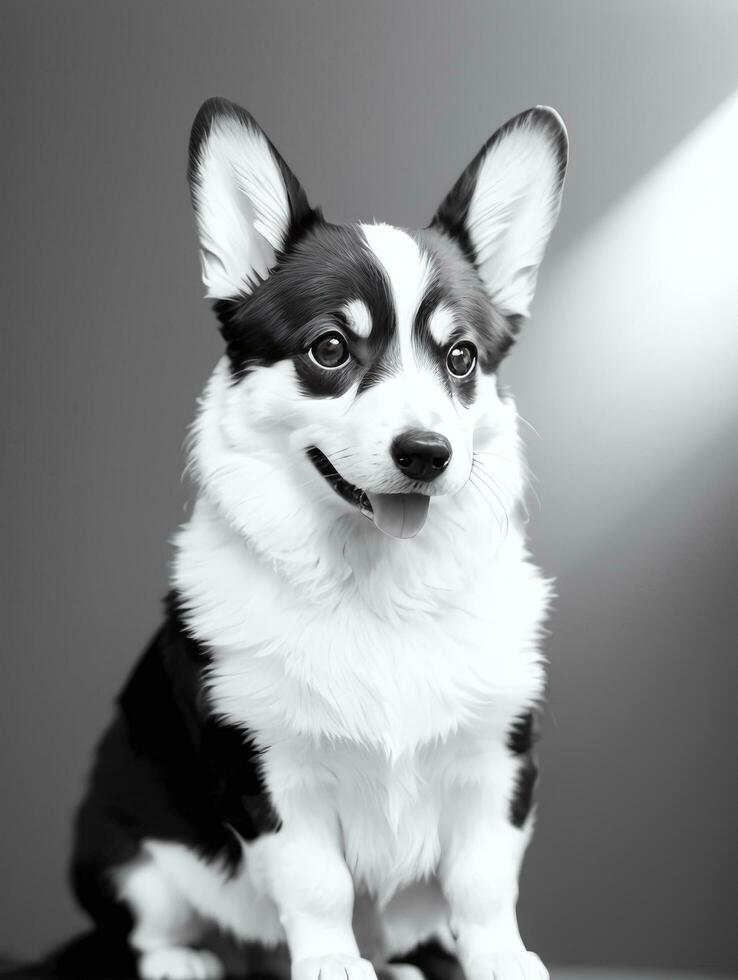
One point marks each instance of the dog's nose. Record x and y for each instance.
(421, 455)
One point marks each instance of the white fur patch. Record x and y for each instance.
(180, 963)
(359, 318)
(174, 895)
(441, 324)
(172, 891)
(163, 916)
(409, 273)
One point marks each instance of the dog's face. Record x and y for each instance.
(362, 359)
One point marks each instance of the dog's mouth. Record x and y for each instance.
(351, 494)
(400, 515)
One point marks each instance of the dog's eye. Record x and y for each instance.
(462, 359)
(330, 350)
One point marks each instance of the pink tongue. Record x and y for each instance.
(401, 515)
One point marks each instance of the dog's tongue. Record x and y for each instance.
(400, 515)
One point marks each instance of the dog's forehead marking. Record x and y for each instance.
(408, 271)
(441, 323)
(359, 318)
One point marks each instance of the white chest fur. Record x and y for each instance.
(389, 811)
(379, 706)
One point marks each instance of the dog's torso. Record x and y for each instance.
(385, 710)
(383, 705)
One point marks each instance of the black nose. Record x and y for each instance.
(421, 455)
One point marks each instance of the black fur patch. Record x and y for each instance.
(303, 298)
(520, 741)
(332, 265)
(458, 287)
(522, 799)
(166, 768)
(433, 961)
(425, 344)
(522, 734)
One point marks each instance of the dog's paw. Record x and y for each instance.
(179, 963)
(519, 965)
(333, 968)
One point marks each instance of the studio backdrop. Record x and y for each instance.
(627, 373)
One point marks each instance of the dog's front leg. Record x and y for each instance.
(482, 850)
(311, 885)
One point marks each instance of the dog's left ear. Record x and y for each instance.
(504, 206)
(249, 205)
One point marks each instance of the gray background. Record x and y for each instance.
(627, 370)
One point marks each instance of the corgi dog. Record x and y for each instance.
(328, 743)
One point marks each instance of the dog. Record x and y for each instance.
(329, 742)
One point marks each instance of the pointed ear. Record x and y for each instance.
(248, 203)
(504, 206)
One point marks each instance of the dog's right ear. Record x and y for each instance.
(248, 203)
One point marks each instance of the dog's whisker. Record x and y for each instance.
(342, 457)
(532, 428)
(529, 477)
(482, 475)
(477, 486)
(488, 503)
(501, 484)
(505, 491)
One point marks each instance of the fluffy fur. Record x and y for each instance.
(329, 741)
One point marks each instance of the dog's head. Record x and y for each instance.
(360, 376)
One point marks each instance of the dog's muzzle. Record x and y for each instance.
(400, 515)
